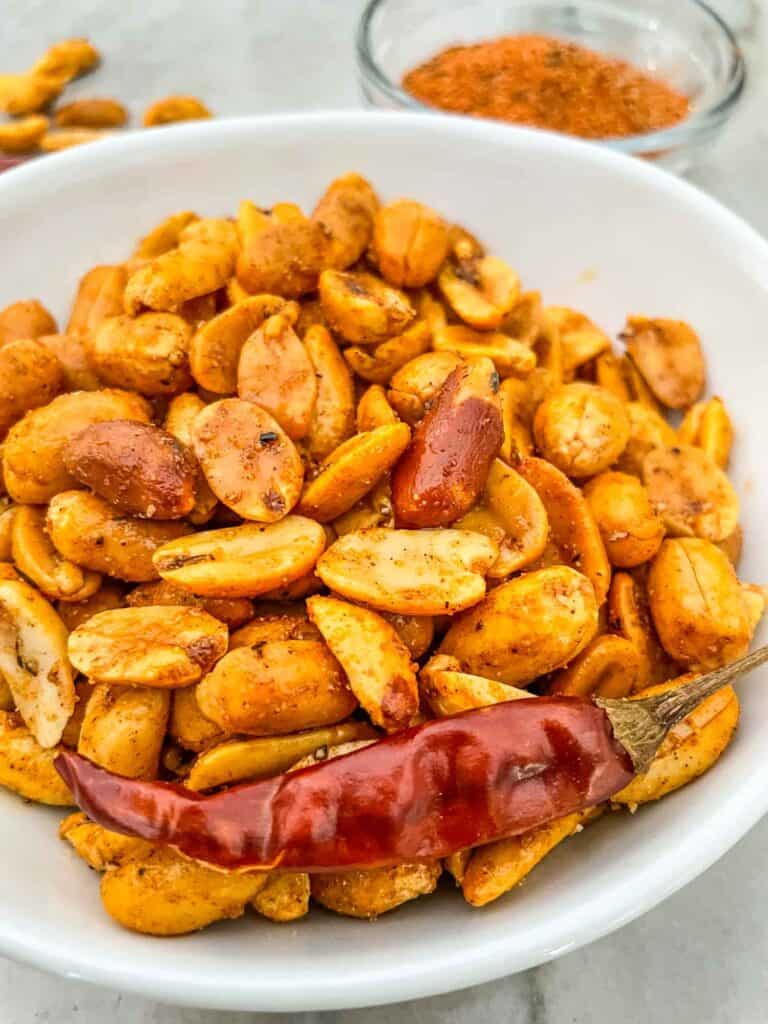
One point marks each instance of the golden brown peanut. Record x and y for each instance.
(123, 729)
(448, 691)
(410, 243)
(28, 93)
(71, 735)
(708, 426)
(517, 432)
(38, 559)
(412, 572)
(456, 864)
(24, 135)
(533, 624)
(25, 319)
(30, 376)
(140, 469)
(188, 725)
(34, 662)
(100, 848)
(631, 530)
(525, 320)
(690, 493)
(148, 353)
(156, 646)
(239, 760)
(68, 59)
(373, 410)
(377, 663)
(171, 109)
(512, 514)
(573, 530)
(91, 113)
(375, 509)
(668, 355)
(250, 463)
(509, 355)
(281, 625)
(352, 470)
(481, 290)
(630, 617)
(232, 611)
(697, 605)
(609, 375)
(581, 339)
(333, 417)
(581, 428)
(74, 613)
(243, 561)
(99, 297)
(26, 767)
(163, 893)
(647, 430)
(275, 688)
(74, 363)
(88, 531)
(53, 142)
(368, 894)
(165, 236)
(285, 897)
(346, 213)
(496, 868)
(281, 256)
(33, 463)
(414, 386)
(181, 414)
(415, 631)
(610, 666)
(378, 365)
(216, 346)
(197, 267)
(216, 231)
(689, 749)
(361, 308)
(732, 545)
(277, 374)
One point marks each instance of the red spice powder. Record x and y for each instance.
(547, 83)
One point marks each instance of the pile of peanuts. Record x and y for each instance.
(287, 484)
(26, 96)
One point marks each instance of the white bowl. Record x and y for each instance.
(598, 231)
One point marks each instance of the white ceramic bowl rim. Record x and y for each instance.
(727, 822)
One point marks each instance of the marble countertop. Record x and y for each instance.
(703, 955)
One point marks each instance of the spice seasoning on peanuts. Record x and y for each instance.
(547, 83)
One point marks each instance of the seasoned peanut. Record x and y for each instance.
(373, 410)
(34, 662)
(181, 414)
(285, 897)
(631, 530)
(410, 243)
(416, 631)
(26, 767)
(346, 213)
(68, 59)
(647, 430)
(413, 387)
(28, 93)
(74, 613)
(250, 463)
(188, 725)
(280, 256)
(448, 691)
(609, 666)
(197, 267)
(361, 308)
(26, 319)
(157, 646)
(71, 352)
(413, 572)
(517, 439)
(509, 356)
(276, 687)
(123, 729)
(24, 135)
(581, 428)
(708, 426)
(481, 290)
(163, 237)
(668, 355)
(531, 625)
(38, 559)
(609, 374)
(149, 353)
(581, 340)
(243, 561)
(333, 417)
(91, 113)
(100, 848)
(630, 617)
(139, 468)
(171, 109)
(30, 376)
(233, 611)
(378, 365)
(690, 493)
(99, 297)
(368, 894)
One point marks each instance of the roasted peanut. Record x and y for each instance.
(163, 237)
(481, 290)
(352, 470)
(250, 463)
(188, 725)
(74, 613)
(377, 366)
(631, 530)
(68, 59)
(668, 355)
(38, 559)
(71, 353)
(525, 320)
(581, 340)
(34, 662)
(609, 374)
(24, 135)
(26, 767)
(517, 439)
(361, 308)
(232, 611)
(53, 142)
(630, 617)
(581, 428)
(345, 213)
(26, 319)
(197, 267)
(410, 243)
(290, 624)
(99, 297)
(276, 687)
(281, 257)
(647, 430)
(149, 353)
(690, 493)
(377, 663)
(412, 572)
(448, 691)
(416, 631)
(28, 93)
(333, 417)
(181, 414)
(30, 376)
(708, 426)
(444, 469)
(509, 356)
(123, 729)
(91, 113)
(171, 109)
(368, 894)
(697, 604)
(243, 561)
(100, 848)
(524, 628)
(413, 387)
(609, 666)
(373, 410)
(285, 897)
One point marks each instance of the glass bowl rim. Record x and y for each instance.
(699, 122)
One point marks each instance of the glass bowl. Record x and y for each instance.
(682, 41)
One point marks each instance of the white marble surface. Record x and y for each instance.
(701, 957)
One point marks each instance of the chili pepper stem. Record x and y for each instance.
(641, 725)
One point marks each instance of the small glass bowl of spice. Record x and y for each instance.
(655, 78)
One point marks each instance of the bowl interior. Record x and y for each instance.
(591, 229)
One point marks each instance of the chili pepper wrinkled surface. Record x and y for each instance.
(425, 792)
